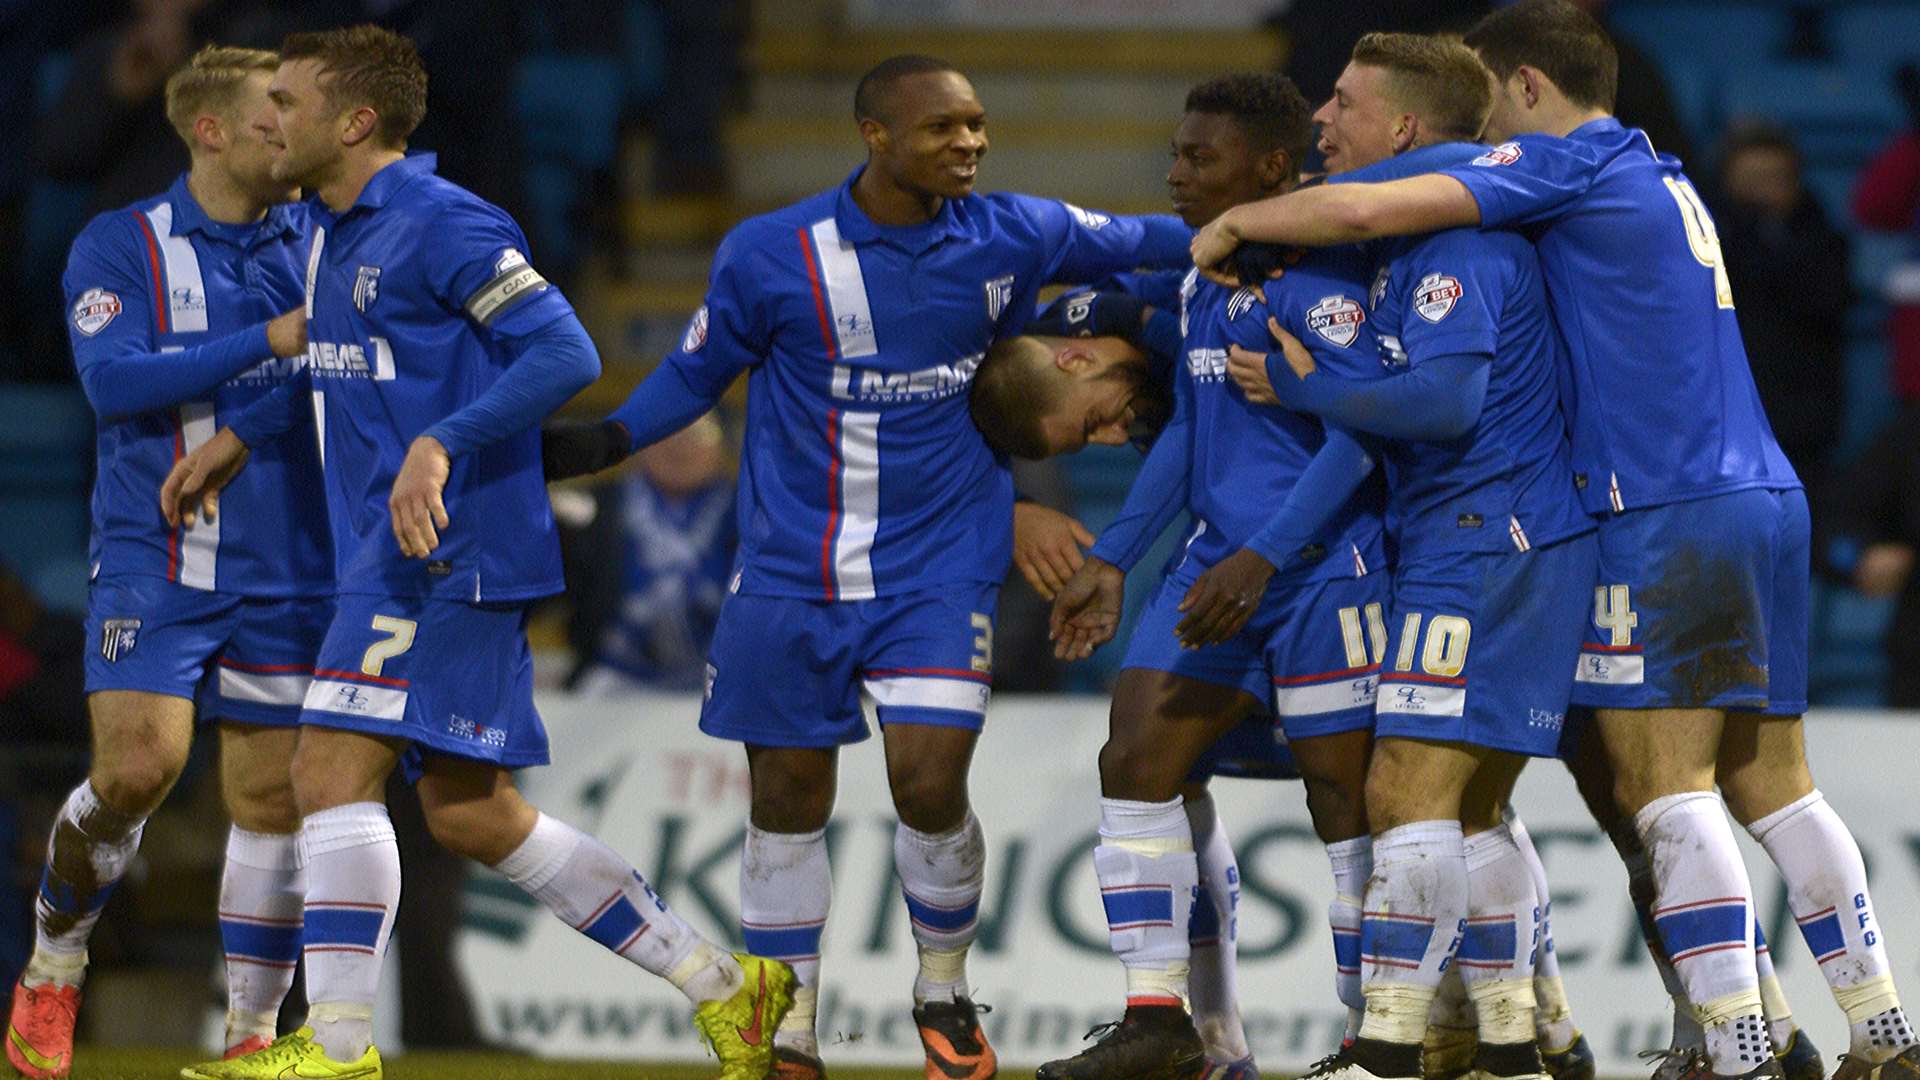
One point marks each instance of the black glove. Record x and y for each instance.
(1092, 314)
(570, 448)
(1254, 263)
(1906, 82)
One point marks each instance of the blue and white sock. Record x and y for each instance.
(1148, 877)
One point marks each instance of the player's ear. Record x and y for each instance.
(874, 134)
(1076, 357)
(358, 125)
(210, 133)
(1273, 169)
(1406, 132)
(1532, 83)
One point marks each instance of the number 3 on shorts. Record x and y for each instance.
(398, 640)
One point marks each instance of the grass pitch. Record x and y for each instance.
(144, 1063)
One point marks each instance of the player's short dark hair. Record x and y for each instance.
(367, 66)
(1436, 78)
(1559, 39)
(870, 94)
(1012, 390)
(1268, 107)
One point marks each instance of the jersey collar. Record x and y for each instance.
(857, 228)
(188, 217)
(1595, 129)
(390, 179)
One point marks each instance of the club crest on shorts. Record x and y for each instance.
(999, 295)
(1435, 296)
(696, 332)
(118, 637)
(366, 288)
(1336, 318)
(94, 310)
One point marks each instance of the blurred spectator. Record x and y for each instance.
(1887, 199)
(1873, 516)
(1321, 33)
(1788, 266)
(648, 568)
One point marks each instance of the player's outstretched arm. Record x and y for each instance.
(1221, 601)
(1437, 398)
(1330, 214)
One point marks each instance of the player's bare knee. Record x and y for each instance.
(261, 804)
(1129, 770)
(1338, 809)
(929, 800)
(135, 782)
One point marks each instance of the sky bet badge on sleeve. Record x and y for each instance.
(94, 310)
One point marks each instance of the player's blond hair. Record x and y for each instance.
(1436, 78)
(209, 82)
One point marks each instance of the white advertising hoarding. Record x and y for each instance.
(640, 775)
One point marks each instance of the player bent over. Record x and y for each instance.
(174, 310)
(437, 349)
(1289, 634)
(1696, 653)
(876, 524)
(1491, 583)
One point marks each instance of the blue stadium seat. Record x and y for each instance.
(45, 459)
(1848, 666)
(1869, 398)
(1721, 36)
(1840, 115)
(1875, 36)
(1695, 89)
(570, 106)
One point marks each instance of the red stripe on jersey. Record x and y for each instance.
(357, 676)
(819, 302)
(929, 672)
(834, 465)
(267, 669)
(160, 324)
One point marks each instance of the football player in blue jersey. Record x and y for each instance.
(436, 349)
(1302, 655)
(182, 309)
(1696, 658)
(875, 521)
(1491, 577)
(1089, 362)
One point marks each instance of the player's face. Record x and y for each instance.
(249, 158)
(1214, 169)
(936, 135)
(305, 136)
(1357, 122)
(1105, 376)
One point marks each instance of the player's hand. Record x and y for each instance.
(192, 488)
(418, 513)
(1046, 546)
(1883, 569)
(287, 333)
(1086, 612)
(1224, 598)
(1211, 246)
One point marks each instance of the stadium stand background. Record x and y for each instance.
(645, 128)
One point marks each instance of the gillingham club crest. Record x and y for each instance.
(118, 637)
(366, 288)
(999, 295)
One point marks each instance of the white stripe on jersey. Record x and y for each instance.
(960, 695)
(1314, 699)
(313, 264)
(1611, 669)
(200, 542)
(859, 451)
(263, 689)
(1420, 699)
(356, 699)
(846, 291)
(186, 290)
